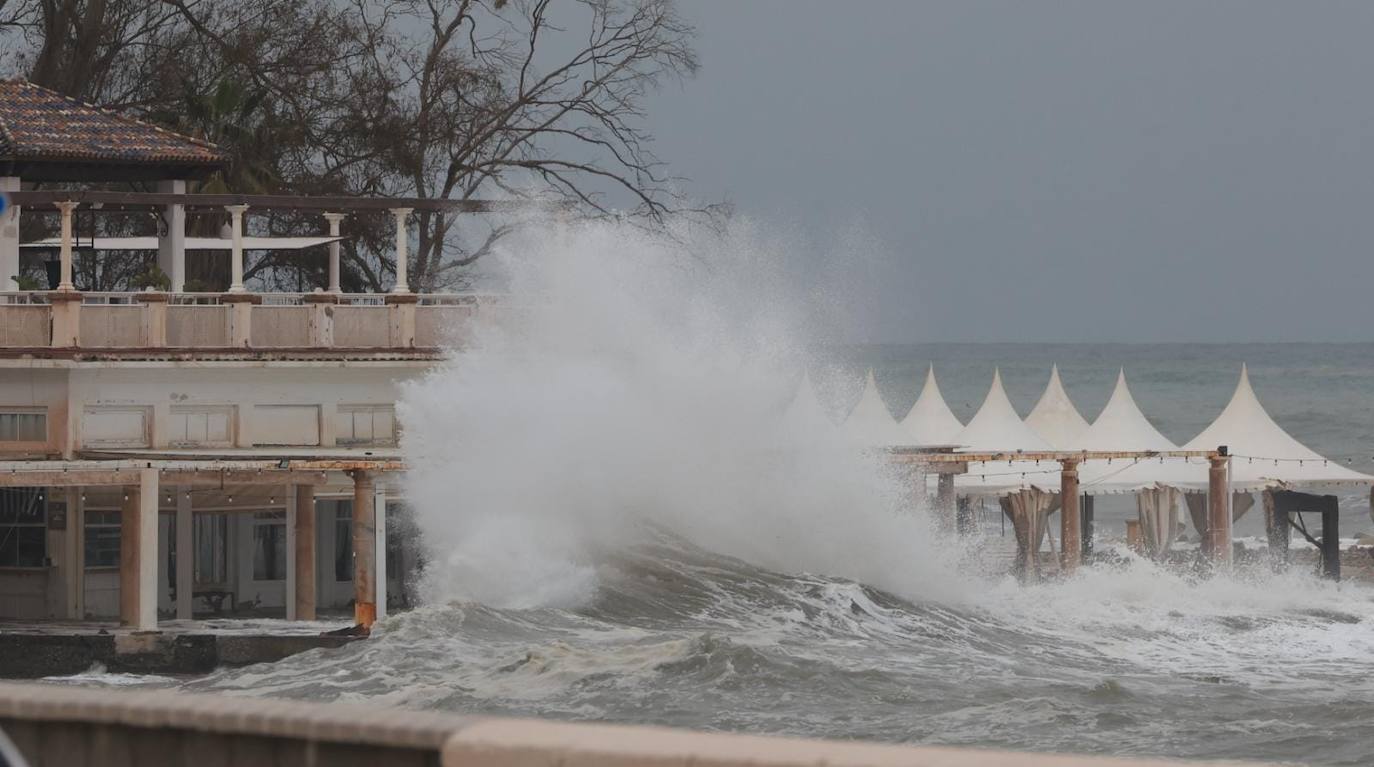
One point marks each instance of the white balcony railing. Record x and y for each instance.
(238, 321)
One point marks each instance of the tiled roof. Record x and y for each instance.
(37, 124)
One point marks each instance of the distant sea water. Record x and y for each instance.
(1123, 659)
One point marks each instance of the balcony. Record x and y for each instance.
(229, 322)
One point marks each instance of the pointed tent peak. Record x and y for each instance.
(1247, 429)
(805, 417)
(870, 423)
(997, 426)
(930, 421)
(1122, 426)
(1055, 417)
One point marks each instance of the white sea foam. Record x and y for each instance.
(639, 381)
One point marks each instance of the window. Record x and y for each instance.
(115, 427)
(269, 546)
(365, 425)
(24, 425)
(102, 538)
(23, 527)
(286, 425)
(343, 541)
(201, 426)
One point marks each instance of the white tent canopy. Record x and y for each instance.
(1121, 425)
(1055, 418)
(1265, 453)
(997, 427)
(930, 421)
(192, 243)
(805, 417)
(870, 423)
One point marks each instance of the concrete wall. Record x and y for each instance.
(76, 727)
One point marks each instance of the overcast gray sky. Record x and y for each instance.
(1082, 171)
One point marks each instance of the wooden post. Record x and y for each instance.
(1219, 508)
(138, 554)
(1070, 530)
(1088, 531)
(76, 555)
(1276, 529)
(186, 555)
(305, 553)
(364, 550)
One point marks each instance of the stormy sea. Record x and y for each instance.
(617, 529)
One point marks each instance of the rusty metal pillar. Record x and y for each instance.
(1070, 530)
(1219, 508)
(138, 554)
(305, 553)
(364, 549)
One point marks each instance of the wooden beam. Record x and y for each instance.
(51, 478)
(37, 201)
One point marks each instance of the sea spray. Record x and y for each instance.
(636, 381)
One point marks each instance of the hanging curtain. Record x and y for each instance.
(1028, 510)
(1158, 513)
(1241, 501)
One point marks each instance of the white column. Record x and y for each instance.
(9, 237)
(236, 247)
(402, 268)
(186, 555)
(334, 220)
(66, 280)
(379, 503)
(171, 244)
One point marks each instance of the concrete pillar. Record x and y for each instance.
(241, 317)
(9, 238)
(303, 599)
(75, 555)
(138, 555)
(334, 220)
(66, 318)
(364, 549)
(321, 323)
(402, 267)
(1070, 530)
(186, 555)
(401, 308)
(65, 281)
(154, 318)
(1219, 508)
(289, 587)
(236, 247)
(171, 244)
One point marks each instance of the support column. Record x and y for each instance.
(138, 555)
(186, 555)
(236, 247)
(1088, 527)
(944, 501)
(65, 279)
(76, 555)
(171, 244)
(154, 318)
(364, 549)
(379, 563)
(9, 237)
(402, 268)
(334, 220)
(289, 590)
(1070, 521)
(304, 596)
(1219, 508)
(1276, 529)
